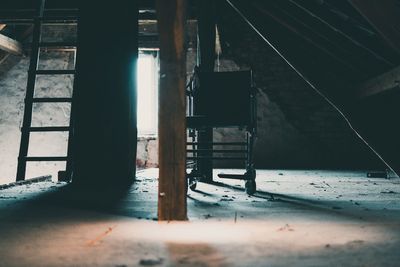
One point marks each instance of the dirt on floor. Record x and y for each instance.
(296, 218)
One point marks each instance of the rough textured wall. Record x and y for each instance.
(297, 128)
(147, 152)
(13, 76)
(278, 144)
(12, 93)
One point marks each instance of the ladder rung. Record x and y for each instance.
(218, 143)
(50, 129)
(216, 151)
(52, 100)
(46, 158)
(12, 17)
(55, 72)
(68, 22)
(60, 22)
(61, 9)
(216, 158)
(190, 164)
(16, 21)
(49, 19)
(58, 44)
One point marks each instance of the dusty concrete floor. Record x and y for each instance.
(297, 218)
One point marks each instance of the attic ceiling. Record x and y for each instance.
(325, 37)
(329, 33)
(16, 19)
(346, 50)
(26, 8)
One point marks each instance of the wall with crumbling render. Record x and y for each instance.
(13, 76)
(296, 128)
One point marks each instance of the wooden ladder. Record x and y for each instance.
(36, 46)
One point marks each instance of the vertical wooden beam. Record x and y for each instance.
(172, 111)
(206, 34)
(206, 14)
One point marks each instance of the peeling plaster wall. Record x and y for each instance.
(147, 152)
(13, 77)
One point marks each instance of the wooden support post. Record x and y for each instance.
(207, 34)
(172, 111)
(206, 61)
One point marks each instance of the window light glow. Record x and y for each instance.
(147, 97)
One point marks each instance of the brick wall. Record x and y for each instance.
(297, 128)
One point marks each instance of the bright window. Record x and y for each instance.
(147, 95)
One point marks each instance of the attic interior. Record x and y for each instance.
(199, 133)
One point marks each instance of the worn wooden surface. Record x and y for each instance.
(172, 111)
(10, 45)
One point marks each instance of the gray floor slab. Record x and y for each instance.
(297, 218)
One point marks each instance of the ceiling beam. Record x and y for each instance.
(10, 45)
(330, 55)
(382, 83)
(342, 38)
(384, 17)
